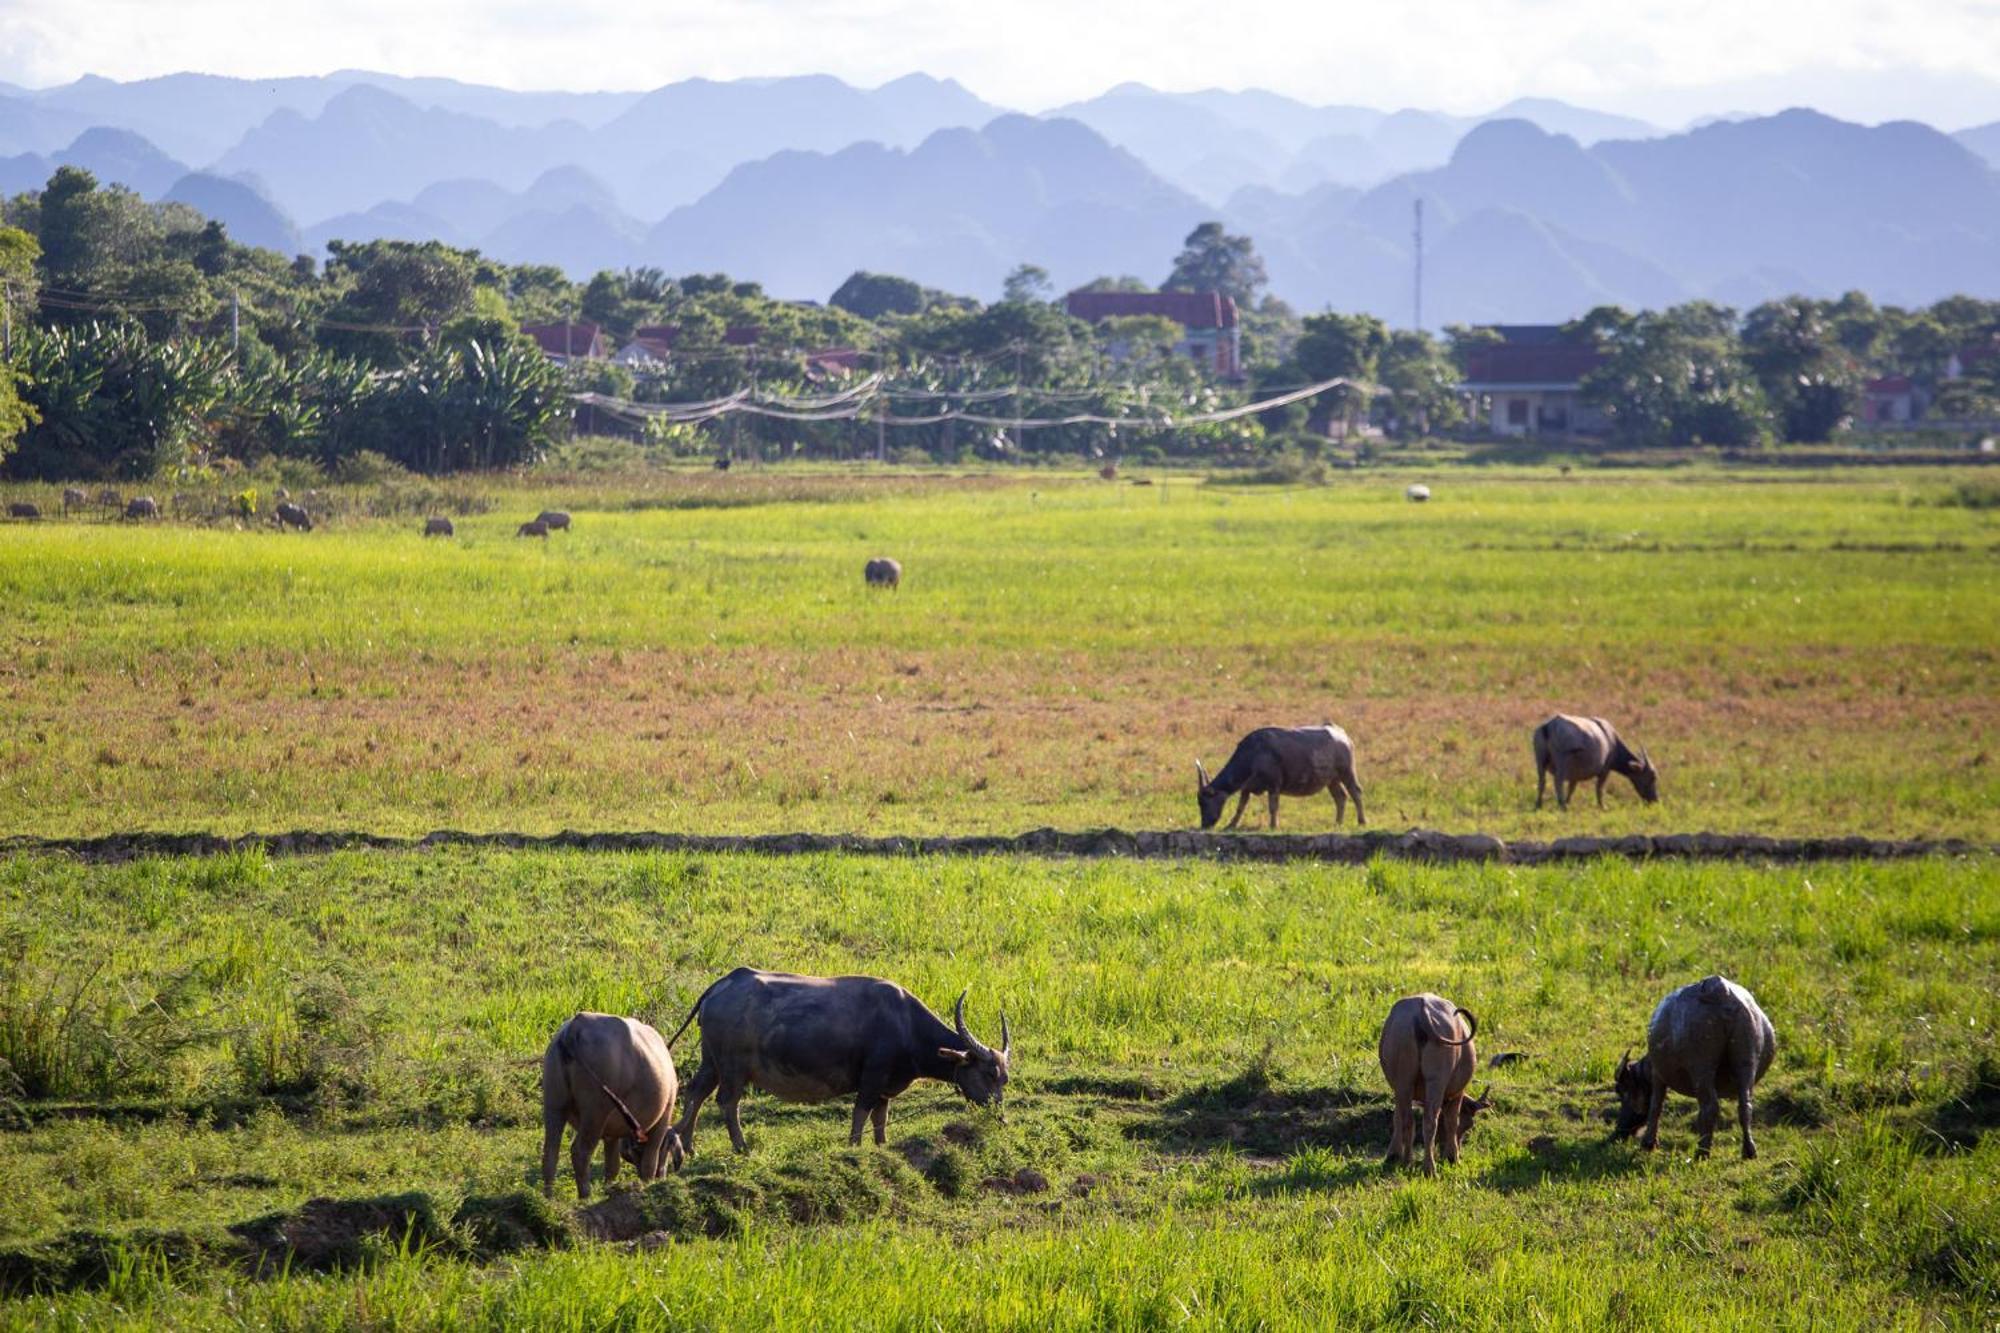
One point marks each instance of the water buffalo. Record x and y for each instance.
(534, 527)
(74, 498)
(1575, 748)
(722, 463)
(1426, 1059)
(1287, 761)
(22, 509)
(438, 526)
(142, 506)
(609, 1079)
(555, 520)
(289, 515)
(882, 572)
(1704, 1039)
(809, 1039)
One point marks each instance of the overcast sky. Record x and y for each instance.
(1867, 59)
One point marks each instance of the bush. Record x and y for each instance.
(365, 467)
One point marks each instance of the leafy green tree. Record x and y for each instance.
(1028, 282)
(112, 402)
(1421, 379)
(1808, 376)
(1678, 377)
(1343, 347)
(394, 293)
(1211, 260)
(1126, 283)
(873, 295)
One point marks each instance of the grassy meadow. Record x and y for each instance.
(213, 1041)
(193, 1050)
(1799, 655)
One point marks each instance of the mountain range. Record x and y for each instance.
(1534, 211)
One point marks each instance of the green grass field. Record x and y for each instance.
(1799, 656)
(193, 1045)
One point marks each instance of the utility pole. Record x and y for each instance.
(1419, 207)
(882, 430)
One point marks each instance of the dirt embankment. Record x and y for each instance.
(1427, 845)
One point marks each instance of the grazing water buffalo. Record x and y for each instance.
(534, 527)
(882, 572)
(1287, 761)
(73, 498)
(609, 1079)
(555, 520)
(436, 526)
(22, 509)
(809, 1039)
(1575, 748)
(1705, 1039)
(722, 463)
(289, 515)
(1428, 1057)
(142, 506)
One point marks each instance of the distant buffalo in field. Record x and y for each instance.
(22, 509)
(289, 515)
(555, 520)
(1428, 1057)
(1287, 761)
(73, 499)
(1706, 1040)
(808, 1039)
(722, 463)
(1575, 748)
(142, 506)
(438, 526)
(109, 498)
(611, 1080)
(882, 572)
(534, 527)
(1109, 472)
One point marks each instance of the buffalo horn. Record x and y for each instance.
(972, 1043)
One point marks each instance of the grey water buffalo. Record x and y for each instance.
(73, 498)
(1706, 1041)
(811, 1039)
(1574, 748)
(882, 572)
(142, 506)
(555, 520)
(289, 515)
(532, 528)
(438, 526)
(1428, 1057)
(611, 1080)
(1282, 761)
(22, 509)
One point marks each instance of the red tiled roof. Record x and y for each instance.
(578, 339)
(663, 334)
(1190, 310)
(1531, 363)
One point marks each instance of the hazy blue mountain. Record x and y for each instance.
(1524, 225)
(956, 212)
(115, 157)
(242, 209)
(367, 145)
(1214, 143)
(26, 126)
(1983, 140)
(503, 106)
(194, 117)
(125, 158)
(580, 239)
(384, 222)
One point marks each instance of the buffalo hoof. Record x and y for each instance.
(1749, 1152)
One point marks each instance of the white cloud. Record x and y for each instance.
(1667, 60)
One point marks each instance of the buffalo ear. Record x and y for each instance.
(1624, 1063)
(956, 1057)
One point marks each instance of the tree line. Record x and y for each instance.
(142, 340)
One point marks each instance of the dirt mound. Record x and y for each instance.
(326, 1234)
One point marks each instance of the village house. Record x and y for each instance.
(1530, 383)
(1891, 399)
(653, 344)
(1209, 331)
(566, 342)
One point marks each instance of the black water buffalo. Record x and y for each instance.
(1288, 761)
(1574, 748)
(1707, 1041)
(810, 1039)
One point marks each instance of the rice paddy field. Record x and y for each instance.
(301, 1092)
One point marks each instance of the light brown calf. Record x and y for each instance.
(611, 1080)
(1427, 1056)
